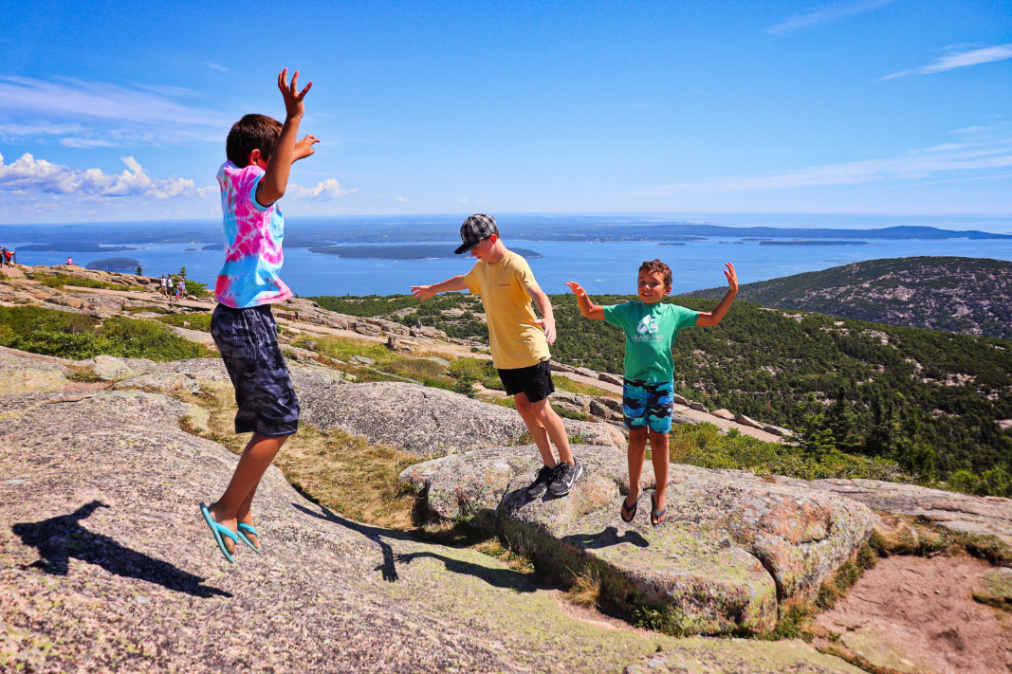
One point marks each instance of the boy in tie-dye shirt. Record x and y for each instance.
(260, 153)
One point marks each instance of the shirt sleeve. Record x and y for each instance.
(684, 317)
(471, 279)
(248, 182)
(615, 314)
(523, 274)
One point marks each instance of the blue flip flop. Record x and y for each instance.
(219, 530)
(248, 529)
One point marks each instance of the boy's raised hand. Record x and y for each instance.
(304, 148)
(732, 278)
(576, 288)
(294, 106)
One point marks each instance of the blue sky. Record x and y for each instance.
(868, 106)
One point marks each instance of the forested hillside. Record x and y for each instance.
(930, 400)
(972, 296)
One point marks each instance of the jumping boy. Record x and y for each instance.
(519, 342)
(260, 153)
(648, 391)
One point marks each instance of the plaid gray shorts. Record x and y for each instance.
(248, 342)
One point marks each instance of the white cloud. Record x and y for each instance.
(28, 175)
(326, 189)
(400, 199)
(960, 59)
(100, 111)
(215, 66)
(827, 14)
(979, 157)
(460, 201)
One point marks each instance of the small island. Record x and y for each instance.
(402, 252)
(122, 265)
(813, 243)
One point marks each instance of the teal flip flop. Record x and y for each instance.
(248, 529)
(219, 530)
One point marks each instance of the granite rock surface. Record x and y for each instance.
(734, 547)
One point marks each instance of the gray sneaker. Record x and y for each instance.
(541, 480)
(564, 478)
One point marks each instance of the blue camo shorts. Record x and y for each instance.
(248, 342)
(648, 404)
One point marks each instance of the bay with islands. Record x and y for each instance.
(386, 255)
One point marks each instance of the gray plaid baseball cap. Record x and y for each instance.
(476, 229)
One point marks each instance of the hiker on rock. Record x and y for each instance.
(260, 151)
(648, 390)
(163, 289)
(519, 342)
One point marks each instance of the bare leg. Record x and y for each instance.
(552, 423)
(637, 453)
(255, 460)
(662, 458)
(534, 427)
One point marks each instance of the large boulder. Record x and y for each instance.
(985, 516)
(427, 421)
(21, 372)
(106, 565)
(734, 544)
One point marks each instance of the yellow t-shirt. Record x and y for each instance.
(516, 341)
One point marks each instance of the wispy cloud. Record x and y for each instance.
(100, 111)
(324, 190)
(215, 66)
(974, 157)
(400, 199)
(826, 14)
(29, 175)
(960, 59)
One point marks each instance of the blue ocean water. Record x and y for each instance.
(599, 267)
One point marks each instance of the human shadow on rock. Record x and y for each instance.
(60, 538)
(607, 538)
(388, 568)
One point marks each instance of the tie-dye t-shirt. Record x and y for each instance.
(253, 236)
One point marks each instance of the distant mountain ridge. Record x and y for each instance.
(970, 296)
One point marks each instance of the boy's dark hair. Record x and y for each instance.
(250, 133)
(659, 267)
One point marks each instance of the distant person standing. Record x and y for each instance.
(180, 289)
(260, 153)
(651, 327)
(170, 285)
(3, 256)
(7, 256)
(519, 342)
(162, 288)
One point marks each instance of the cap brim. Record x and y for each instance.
(464, 247)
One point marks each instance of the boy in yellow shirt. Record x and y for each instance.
(519, 342)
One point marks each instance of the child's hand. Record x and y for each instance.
(304, 148)
(422, 292)
(576, 288)
(548, 325)
(732, 278)
(294, 106)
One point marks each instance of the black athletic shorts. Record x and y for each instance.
(534, 381)
(248, 342)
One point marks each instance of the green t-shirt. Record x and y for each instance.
(650, 331)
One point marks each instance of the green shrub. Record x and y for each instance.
(200, 322)
(75, 336)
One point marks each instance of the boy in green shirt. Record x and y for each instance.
(648, 391)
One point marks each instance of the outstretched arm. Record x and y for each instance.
(587, 308)
(425, 292)
(544, 305)
(714, 317)
(275, 181)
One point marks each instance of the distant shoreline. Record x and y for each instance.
(766, 242)
(402, 252)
